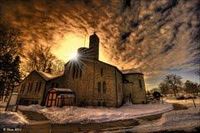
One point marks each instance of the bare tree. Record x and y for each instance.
(191, 87)
(173, 82)
(40, 58)
(164, 88)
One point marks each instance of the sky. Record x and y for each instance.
(156, 37)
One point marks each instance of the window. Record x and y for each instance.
(22, 88)
(104, 87)
(99, 87)
(140, 83)
(31, 86)
(39, 86)
(76, 73)
(28, 87)
(101, 71)
(51, 99)
(36, 87)
(119, 88)
(80, 73)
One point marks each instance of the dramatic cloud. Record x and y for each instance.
(152, 36)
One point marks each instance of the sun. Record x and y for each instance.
(74, 56)
(66, 48)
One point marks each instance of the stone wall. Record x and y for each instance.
(134, 88)
(98, 84)
(83, 84)
(119, 87)
(105, 78)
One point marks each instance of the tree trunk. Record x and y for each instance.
(194, 102)
(174, 92)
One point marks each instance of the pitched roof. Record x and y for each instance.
(47, 76)
(131, 72)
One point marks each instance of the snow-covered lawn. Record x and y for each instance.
(2, 105)
(187, 102)
(12, 119)
(185, 120)
(97, 114)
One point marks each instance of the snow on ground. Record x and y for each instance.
(181, 115)
(186, 102)
(73, 114)
(12, 119)
(174, 120)
(2, 105)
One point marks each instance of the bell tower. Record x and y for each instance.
(94, 46)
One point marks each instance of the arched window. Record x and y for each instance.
(140, 83)
(36, 87)
(39, 86)
(101, 71)
(28, 88)
(104, 87)
(99, 87)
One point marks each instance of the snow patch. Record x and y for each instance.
(73, 114)
(12, 119)
(190, 114)
(186, 120)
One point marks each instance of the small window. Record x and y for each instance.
(28, 88)
(119, 88)
(22, 88)
(39, 86)
(80, 73)
(104, 87)
(140, 83)
(76, 73)
(54, 96)
(99, 87)
(31, 86)
(36, 87)
(50, 96)
(101, 71)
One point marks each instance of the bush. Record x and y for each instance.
(177, 106)
(180, 97)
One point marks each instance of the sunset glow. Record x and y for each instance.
(68, 45)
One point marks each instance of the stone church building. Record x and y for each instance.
(85, 81)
